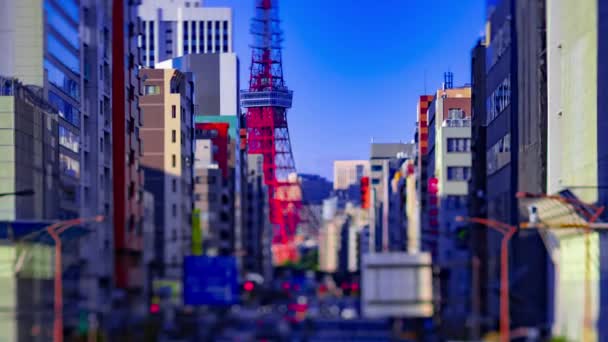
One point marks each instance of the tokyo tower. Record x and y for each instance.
(266, 103)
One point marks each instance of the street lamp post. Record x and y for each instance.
(507, 232)
(54, 231)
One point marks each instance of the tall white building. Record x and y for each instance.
(349, 172)
(173, 28)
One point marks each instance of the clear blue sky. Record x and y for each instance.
(357, 67)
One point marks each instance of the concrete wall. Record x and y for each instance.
(573, 118)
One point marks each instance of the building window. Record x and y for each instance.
(459, 173)
(456, 113)
(499, 99)
(375, 181)
(151, 90)
(173, 136)
(173, 112)
(174, 185)
(499, 154)
(174, 210)
(68, 139)
(197, 179)
(459, 145)
(173, 160)
(376, 167)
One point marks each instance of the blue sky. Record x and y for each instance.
(357, 67)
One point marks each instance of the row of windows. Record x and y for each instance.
(62, 53)
(68, 139)
(69, 7)
(459, 173)
(499, 154)
(499, 99)
(456, 113)
(62, 81)
(56, 20)
(459, 145)
(65, 109)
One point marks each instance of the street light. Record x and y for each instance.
(507, 232)
(54, 230)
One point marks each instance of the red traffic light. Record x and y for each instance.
(154, 308)
(248, 286)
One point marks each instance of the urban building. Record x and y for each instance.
(349, 172)
(53, 52)
(449, 169)
(30, 152)
(46, 53)
(178, 27)
(577, 158)
(421, 139)
(385, 161)
(29, 160)
(167, 162)
(257, 235)
(149, 231)
(477, 187)
(515, 156)
(127, 174)
(214, 187)
(95, 143)
(216, 76)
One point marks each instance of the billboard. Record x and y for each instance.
(397, 284)
(210, 280)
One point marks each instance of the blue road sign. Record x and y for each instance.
(210, 281)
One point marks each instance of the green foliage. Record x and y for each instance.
(559, 339)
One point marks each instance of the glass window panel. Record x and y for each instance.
(58, 78)
(69, 166)
(66, 110)
(62, 53)
(68, 139)
(56, 20)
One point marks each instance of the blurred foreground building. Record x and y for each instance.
(577, 156)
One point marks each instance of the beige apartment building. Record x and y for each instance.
(167, 162)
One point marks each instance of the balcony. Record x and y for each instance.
(456, 123)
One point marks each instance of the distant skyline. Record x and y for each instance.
(351, 62)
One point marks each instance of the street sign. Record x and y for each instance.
(210, 281)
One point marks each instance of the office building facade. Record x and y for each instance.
(179, 27)
(349, 172)
(127, 174)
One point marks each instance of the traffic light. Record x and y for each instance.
(248, 286)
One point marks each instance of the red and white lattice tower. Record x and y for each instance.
(266, 103)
